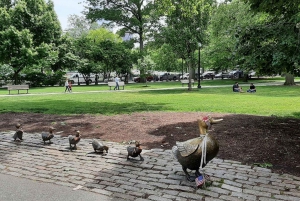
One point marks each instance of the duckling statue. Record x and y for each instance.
(74, 140)
(195, 153)
(98, 146)
(135, 151)
(48, 136)
(19, 132)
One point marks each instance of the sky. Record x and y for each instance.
(65, 8)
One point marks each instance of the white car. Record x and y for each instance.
(185, 76)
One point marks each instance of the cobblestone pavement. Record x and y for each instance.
(158, 177)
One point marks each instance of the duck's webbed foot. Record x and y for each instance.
(188, 177)
(141, 158)
(197, 173)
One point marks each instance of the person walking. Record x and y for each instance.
(70, 86)
(67, 86)
(117, 79)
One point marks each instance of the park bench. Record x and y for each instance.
(113, 84)
(17, 87)
(187, 82)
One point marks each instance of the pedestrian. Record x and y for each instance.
(70, 86)
(67, 86)
(117, 79)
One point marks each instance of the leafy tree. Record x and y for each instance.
(102, 34)
(165, 59)
(221, 54)
(28, 31)
(133, 16)
(187, 22)
(66, 58)
(16, 49)
(146, 65)
(274, 43)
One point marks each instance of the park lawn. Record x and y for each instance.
(281, 101)
(142, 86)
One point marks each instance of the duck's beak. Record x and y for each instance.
(214, 121)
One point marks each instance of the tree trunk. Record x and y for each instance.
(190, 76)
(289, 79)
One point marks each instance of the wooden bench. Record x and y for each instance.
(17, 87)
(187, 82)
(113, 84)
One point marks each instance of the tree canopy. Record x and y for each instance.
(28, 31)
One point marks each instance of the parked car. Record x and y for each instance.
(208, 75)
(138, 79)
(221, 75)
(236, 74)
(252, 74)
(168, 76)
(185, 76)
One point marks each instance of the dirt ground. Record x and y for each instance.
(252, 140)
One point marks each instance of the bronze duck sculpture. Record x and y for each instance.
(98, 146)
(19, 132)
(190, 153)
(48, 136)
(135, 151)
(73, 140)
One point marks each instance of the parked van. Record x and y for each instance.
(78, 77)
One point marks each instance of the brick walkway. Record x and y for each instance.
(158, 177)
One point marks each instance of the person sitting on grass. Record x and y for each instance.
(252, 88)
(237, 88)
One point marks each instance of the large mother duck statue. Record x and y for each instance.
(195, 153)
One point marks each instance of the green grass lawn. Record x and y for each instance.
(281, 101)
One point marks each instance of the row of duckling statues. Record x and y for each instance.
(192, 154)
(98, 147)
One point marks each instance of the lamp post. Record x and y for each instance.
(199, 46)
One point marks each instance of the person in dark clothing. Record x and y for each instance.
(237, 88)
(252, 88)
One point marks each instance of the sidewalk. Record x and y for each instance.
(159, 177)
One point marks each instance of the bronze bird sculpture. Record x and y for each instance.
(135, 151)
(73, 140)
(19, 132)
(195, 153)
(99, 147)
(48, 136)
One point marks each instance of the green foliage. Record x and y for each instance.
(103, 34)
(187, 23)
(165, 59)
(36, 78)
(146, 66)
(66, 58)
(226, 21)
(263, 165)
(132, 15)
(273, 43)
(28, 32)
(55, 78)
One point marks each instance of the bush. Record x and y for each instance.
(56, 78)
(36, 79)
